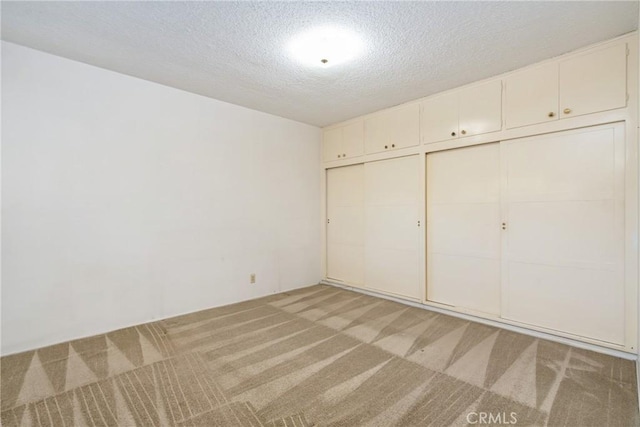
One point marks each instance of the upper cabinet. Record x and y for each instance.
(471, 111)
(343, 142)
(481, 108)
(439, 119)
(531, 96)
(392, 129)
(594, 82)
(586, 82)
(581, 84)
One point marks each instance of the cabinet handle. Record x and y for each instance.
(504, 225)
(567, 110)
(453, 134)
(464, 132)
(393, 145)
(551, 114)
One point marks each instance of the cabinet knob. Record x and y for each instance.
(453, 134)
(338, 155)
(385, 147)
(567, 110)
(504, 225)
(393, 145)
(551, 114)
(464, 132)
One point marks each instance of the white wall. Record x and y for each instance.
(126, 201)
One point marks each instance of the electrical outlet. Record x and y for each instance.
(252, 278)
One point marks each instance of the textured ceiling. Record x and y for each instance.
(236, 51)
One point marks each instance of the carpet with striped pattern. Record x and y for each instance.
(315, 356)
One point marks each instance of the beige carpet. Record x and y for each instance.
(315, 356)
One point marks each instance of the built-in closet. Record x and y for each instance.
(513, 199)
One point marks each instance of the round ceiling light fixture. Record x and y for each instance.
(325, 47)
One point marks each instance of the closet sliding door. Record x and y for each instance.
(345, 224)
(463, 228)
(392, 232)
(563, 247)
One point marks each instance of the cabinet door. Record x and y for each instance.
(439, 118)
(353, 139)
(392, 260)
(345, 224)
(376, 133)
(404, 127)
(481, 108)
(463, 227)
(594, 82)
(332, 144)
(532, 96)
(563, 262)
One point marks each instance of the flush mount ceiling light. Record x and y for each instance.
(325, 47)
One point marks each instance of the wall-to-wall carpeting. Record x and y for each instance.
(315, 356)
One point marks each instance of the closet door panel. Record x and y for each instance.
(345, 224)
(463, 228)
(393, 227)
(471, 282)
(392, 233)
(467, 229)
(345, 263)
(564, 245)
(584, 302)
(584, 232)
(468, 175)
(392, 182)
(345, 186)
(393, 271)
(556, 167)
